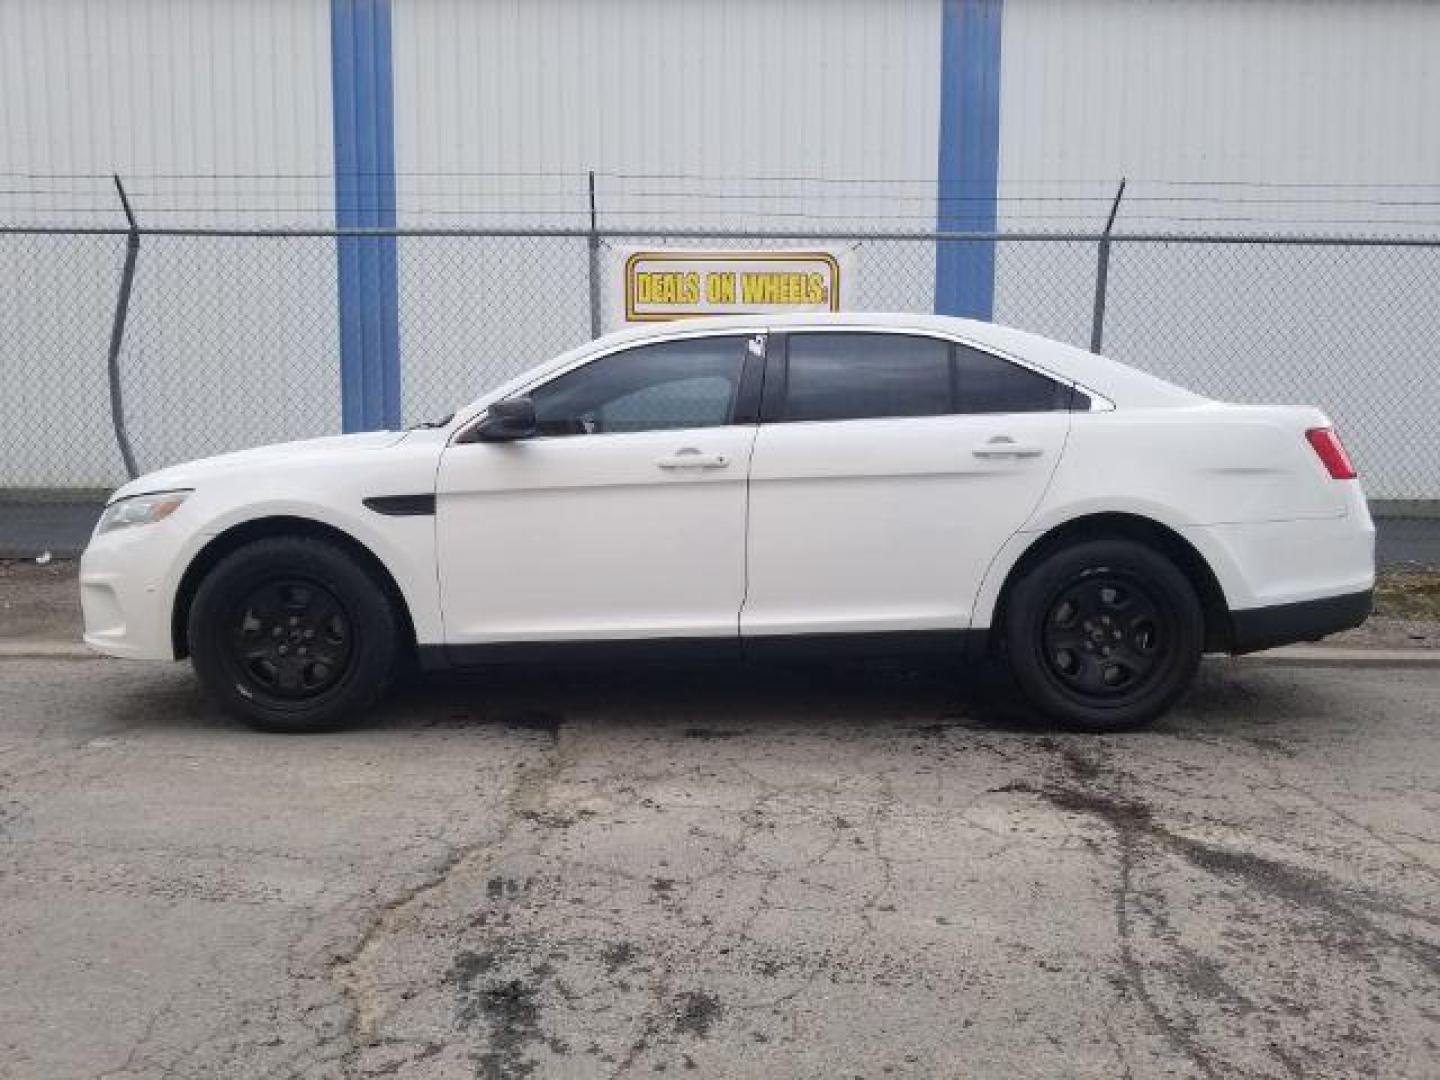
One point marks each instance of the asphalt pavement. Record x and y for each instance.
(875, 872)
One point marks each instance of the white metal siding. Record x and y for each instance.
(747, 87)
(1281, 90)
(659, 93)
(191, 102)
(1322, 112)
(166, 94)
(698, 112)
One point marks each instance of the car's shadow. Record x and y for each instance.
(815, 696)
(1228, 698)
(768, 694)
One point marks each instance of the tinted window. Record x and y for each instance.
(860, 376)
(988, 384)
(673, 384)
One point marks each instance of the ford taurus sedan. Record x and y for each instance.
(754, 486)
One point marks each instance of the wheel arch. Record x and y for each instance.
(1219, 631)
(245, 532)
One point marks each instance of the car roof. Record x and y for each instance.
(1120, 383)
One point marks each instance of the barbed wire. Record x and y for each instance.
(930, 181)
(637, 196)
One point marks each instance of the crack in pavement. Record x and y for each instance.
(1086, 786)
(524, 804)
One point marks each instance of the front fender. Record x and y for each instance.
(405, 546)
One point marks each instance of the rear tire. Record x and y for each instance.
(292, 634)
(1104, 635)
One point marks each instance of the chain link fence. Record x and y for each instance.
(231, 337)
(1350, 328)
(230, 342)
(478, 310)
(57, 302)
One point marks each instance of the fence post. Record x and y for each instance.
(594, 241)
(1102, 274)
(117, 333)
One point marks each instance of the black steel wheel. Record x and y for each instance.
(293, 634)
(1103, 635)
(292, 637)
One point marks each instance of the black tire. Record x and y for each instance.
(292, 634)
(1103, 635)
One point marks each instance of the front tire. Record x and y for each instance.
(1104, 635)
(292, 634)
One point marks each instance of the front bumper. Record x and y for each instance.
(126, 593)
(1307, 620)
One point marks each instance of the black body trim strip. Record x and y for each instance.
(1308, 620)
(777, 374)
(959, 644)
(746, 409)
(402, 505)
(622, 650)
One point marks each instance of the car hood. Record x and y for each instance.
(191, 473)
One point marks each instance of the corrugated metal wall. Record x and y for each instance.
(1318, 91)
(693, 114)
(651, 88)
(216, 113)
(723, 113)
(1239, 117)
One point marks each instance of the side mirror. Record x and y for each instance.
(507, 421)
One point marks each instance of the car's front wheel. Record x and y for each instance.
(293, 634)
(1103, 635)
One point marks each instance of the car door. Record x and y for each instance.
(888, 471)
(623, 518)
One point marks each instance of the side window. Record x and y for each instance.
(988, 384)
(691, 383)
(857, 376)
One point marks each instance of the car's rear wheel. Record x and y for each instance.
(293, 634)
(1103, 635)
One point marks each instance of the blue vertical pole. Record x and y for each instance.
(969, 158)
(362, 91)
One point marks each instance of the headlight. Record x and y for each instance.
(140, 510)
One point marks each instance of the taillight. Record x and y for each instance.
(1332, 453)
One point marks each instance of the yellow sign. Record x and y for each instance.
(674, 284)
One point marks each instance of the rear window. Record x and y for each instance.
(871, 376)
(988, 384)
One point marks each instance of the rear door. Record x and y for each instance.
(888, 471)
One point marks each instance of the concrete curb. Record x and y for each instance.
(45, 649)
(1301, 655)
(1337, 656)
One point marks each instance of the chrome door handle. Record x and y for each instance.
(690, 458)
(1002, 446)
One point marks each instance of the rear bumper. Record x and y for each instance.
(1273, 564)
(1307, 620)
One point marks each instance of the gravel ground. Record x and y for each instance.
(874, 872)
(40, 602)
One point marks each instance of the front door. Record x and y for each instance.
(623, 518)
(889, 470)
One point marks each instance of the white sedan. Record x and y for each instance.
(754, 486)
